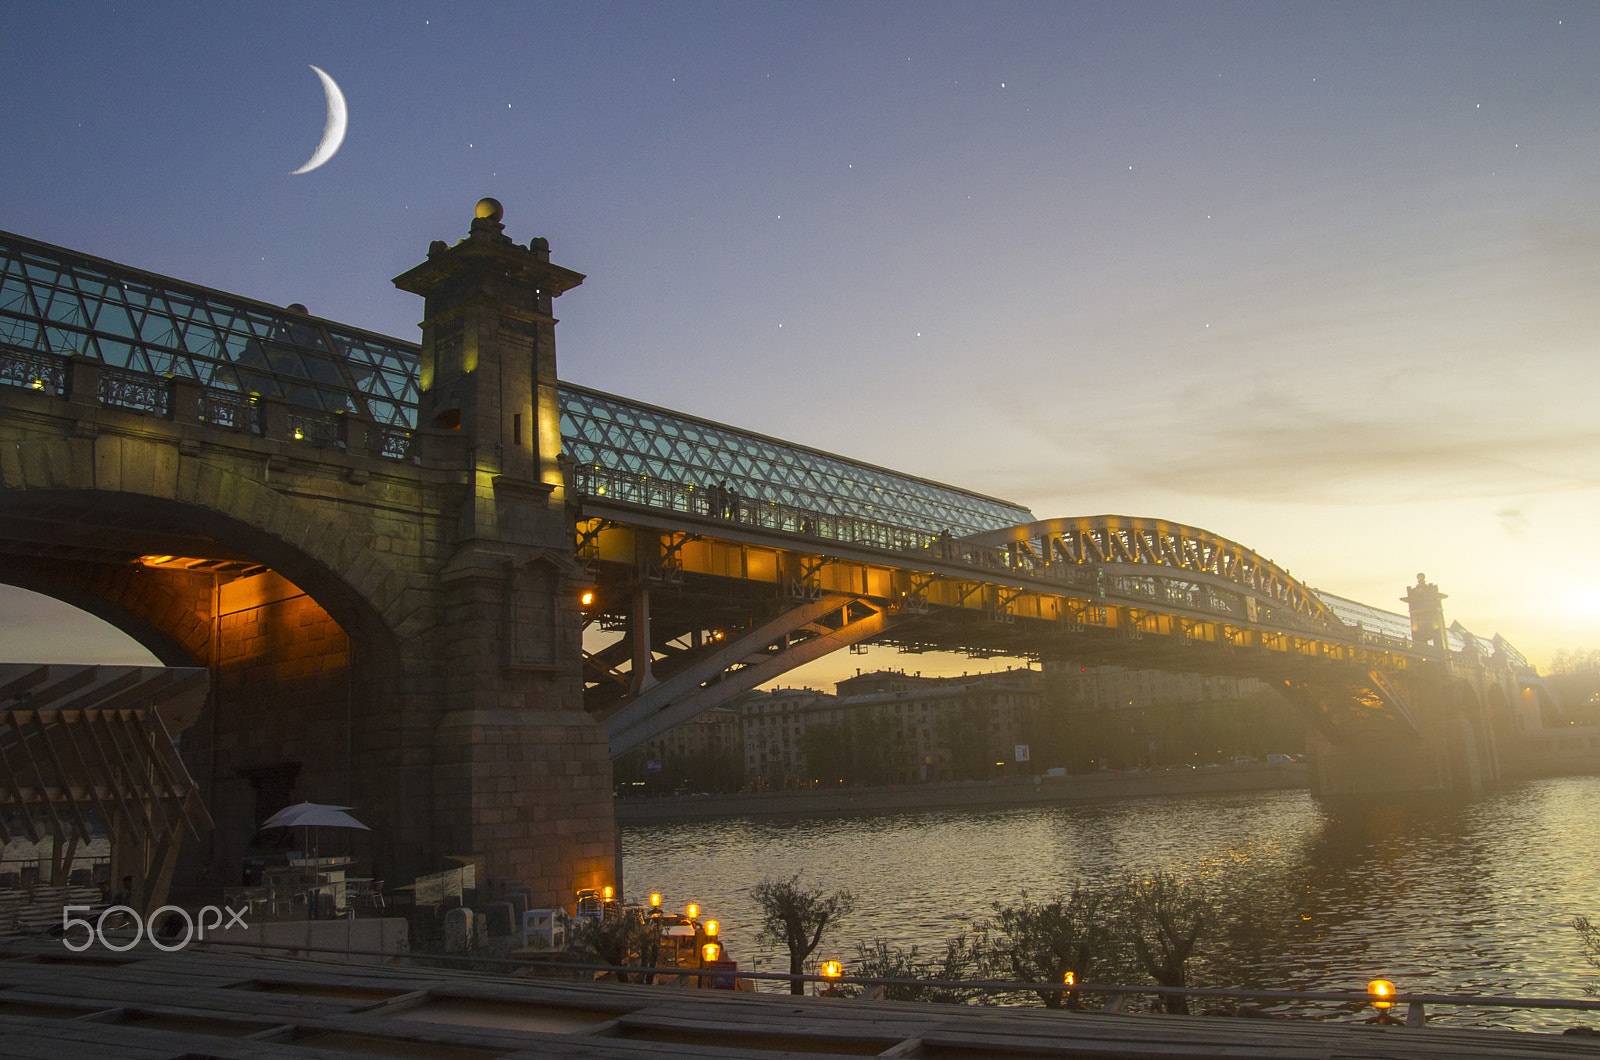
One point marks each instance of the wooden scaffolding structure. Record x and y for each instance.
(89, 749)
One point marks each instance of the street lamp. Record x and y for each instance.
(1382, 993)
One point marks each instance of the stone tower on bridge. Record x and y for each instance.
(521, 774)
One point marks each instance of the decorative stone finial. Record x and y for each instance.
(490, 209)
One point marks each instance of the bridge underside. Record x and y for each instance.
(724, 608)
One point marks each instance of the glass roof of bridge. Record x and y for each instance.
(1369, 618)
(612, 432)
(57, 301)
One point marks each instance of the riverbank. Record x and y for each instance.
(1023, 791)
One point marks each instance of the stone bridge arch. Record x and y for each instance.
(302, 623)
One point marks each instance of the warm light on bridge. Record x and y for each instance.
(1381, 990)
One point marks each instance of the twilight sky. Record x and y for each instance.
(1318, 278)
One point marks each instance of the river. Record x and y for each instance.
(1439, 893)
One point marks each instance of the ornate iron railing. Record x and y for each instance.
(34, 371)
(218, 407)
(135, 391)
(310, 425)
(229, 409)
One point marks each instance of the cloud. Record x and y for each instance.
(1320, 436)
(1514, 522)
(1341, 459)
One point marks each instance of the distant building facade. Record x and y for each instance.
(921, 728)
(717, 729)
(774, 722)
(1119, 688)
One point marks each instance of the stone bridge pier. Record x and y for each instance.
(1436, 728)
(402, 636)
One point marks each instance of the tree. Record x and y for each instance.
(1590, 934)
(963, 733)
(1041, 942)
(827, 752)
(855, 750)
(621, 941)
(797, 918)
(1163, 918)
(883, 960)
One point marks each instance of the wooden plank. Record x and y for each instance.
(147, 800)
(979, 1043)
(44, 788)
(107, 818)
(13, 782)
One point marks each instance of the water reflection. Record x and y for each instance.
(1435, 892)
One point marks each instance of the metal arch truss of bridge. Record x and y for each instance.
(718, 558)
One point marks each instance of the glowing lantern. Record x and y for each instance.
(655, 901)
(1381, 990)
(711, 951)
(693, 911)
(607, 892)
(711, 928)
(1070, 979)
(831, 969)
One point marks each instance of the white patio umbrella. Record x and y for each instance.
(310, 815)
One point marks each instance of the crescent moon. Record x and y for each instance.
(333, 132)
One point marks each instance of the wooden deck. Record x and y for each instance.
(206, 1004)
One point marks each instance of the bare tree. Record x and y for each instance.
(884, 960)
(620, 941)
(1043, 941)
(797, 917)
(1590, 935)
(1163, 917)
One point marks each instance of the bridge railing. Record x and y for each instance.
(634, 488)
(136, 391)
(33, 371)
(185, 399)
(1093, 582)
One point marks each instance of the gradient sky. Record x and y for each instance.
(1323, 279)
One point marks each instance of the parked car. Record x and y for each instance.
(1281, 760)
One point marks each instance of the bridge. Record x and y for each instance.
(436, 582)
